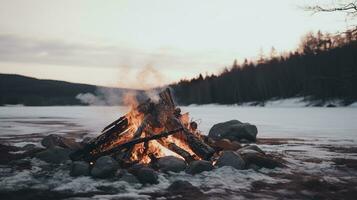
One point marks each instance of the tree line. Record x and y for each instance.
(323, 67)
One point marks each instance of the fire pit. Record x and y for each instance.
(152, 129)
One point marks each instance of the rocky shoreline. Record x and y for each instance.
(303, 169)
(293, 182)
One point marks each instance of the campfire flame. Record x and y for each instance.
(142, 151)
(150, 130)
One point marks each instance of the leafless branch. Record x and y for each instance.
(348, 8)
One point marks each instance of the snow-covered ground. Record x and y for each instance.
(311, 133)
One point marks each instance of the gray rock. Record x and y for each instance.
(104, 167)
(253, 166)
(29, 147)
(21, 164)
(146, 175)
(171, 163)
(252, 157)
(54, 155)
(199, 166)
(180, 186)
(136, 167)
(226, 145)
(56, 140)
(184, 190)
(124, 175)
(66, 166)
(230, 158)
(234, 130)
(251, 147)
(79, 168)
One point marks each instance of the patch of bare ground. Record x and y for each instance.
(313, 160)
(278, 141)
(350, 163)
(304, 186)
(340, 149)
(37, 194)
(6, 155)
(52, 122)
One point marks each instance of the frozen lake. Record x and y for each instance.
(309, 122)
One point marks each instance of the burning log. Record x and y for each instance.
(135, 141)
(178, 150)
(137, 134)
(110, 133)
(145, 123)
(198, 146)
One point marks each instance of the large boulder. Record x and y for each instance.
(146, 175)
(230, 158)
(57, 140)
(104, 167)
(199, 166)
(234, 130)
(171, 163)
(79, 168)
(54, 155)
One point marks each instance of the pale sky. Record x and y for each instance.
(140, 44)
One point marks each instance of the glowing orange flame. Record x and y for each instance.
(141, 152)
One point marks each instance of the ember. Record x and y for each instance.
(150, 130)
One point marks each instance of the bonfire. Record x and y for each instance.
(150, 130)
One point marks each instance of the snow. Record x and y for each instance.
(316, 125)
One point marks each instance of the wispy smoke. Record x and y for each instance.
(104, 96)
(148, 79)
(90, 99)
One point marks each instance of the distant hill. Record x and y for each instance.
(322, 69)
(17, 89)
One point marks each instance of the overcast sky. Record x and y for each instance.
(146, 43)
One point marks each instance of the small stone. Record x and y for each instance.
(56, 140)
(146, 175)
(184, 190)
(199, 166)
(104, 167)
(124, 175)
(259, 159)
(21, 164)
(236, 145)
(251, 147)
(79, 168)
(54, 155)
(230, 158)
(171, 163)
(253, 166)
(136, 167)
(225, 144)
(29, 147)
(180, 186)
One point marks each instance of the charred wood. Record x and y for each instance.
(200, 148)
(133, 142)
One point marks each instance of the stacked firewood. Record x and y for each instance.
(148, 124)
